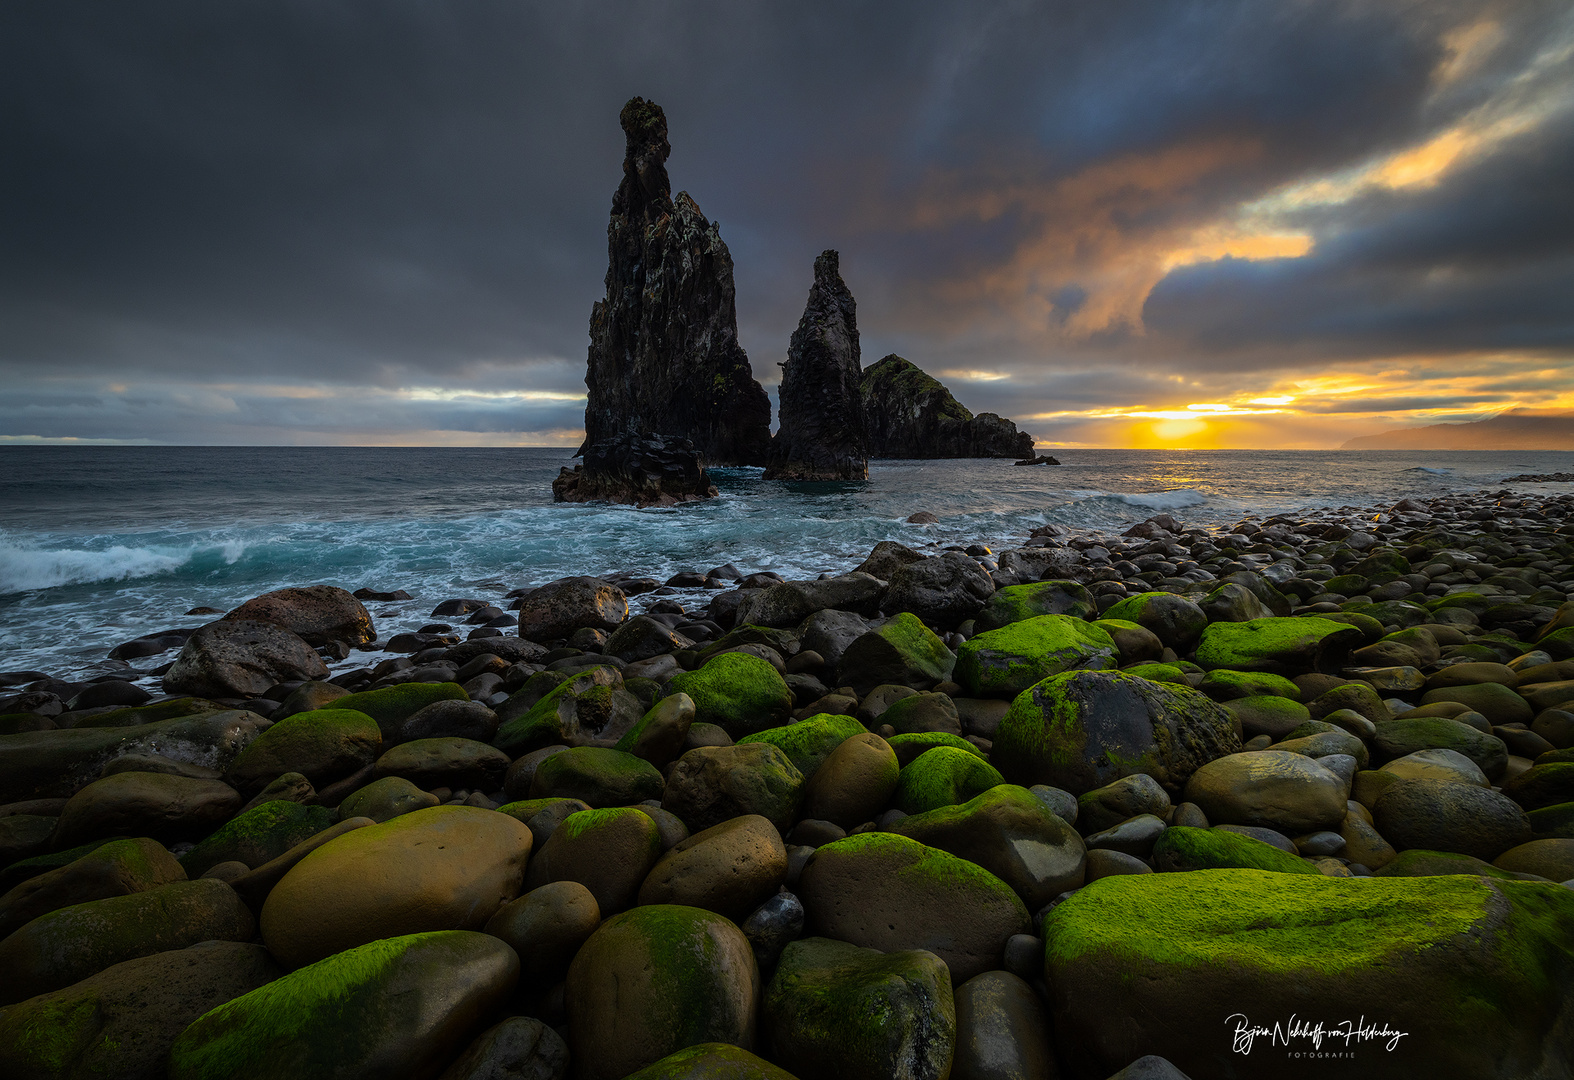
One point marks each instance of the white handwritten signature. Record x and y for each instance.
(1356, 1031)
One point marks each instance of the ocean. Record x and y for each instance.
(102, 544)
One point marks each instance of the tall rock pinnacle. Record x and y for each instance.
(664, 352)
(822, 434)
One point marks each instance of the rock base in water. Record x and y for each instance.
(649, 470)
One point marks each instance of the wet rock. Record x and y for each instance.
(822, 434)
(167, 808)
(118, 868)
(712, 784)
(1271, 788)
(1438, 815)
(546, 927)
(941, 590)
(729, 868)
(241, 658)
(557, 609)
(520, 1048)
(317, 614)
(1001, 1030)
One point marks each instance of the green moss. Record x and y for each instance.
(544, 723)
(1474, 603)
(1286, 924)
(1003, 663)
(944, 776)
(148, 714)
(23, 869)
(1556, 820)
(1419, 862)
(682, 956)
(784, 642)
(739, 693)
(599, 775)
(1182, 848)
(1272, 644)
(577, 825)
(393, 705)
(262, 833)
(710, 1061)
(56, 1034)
(317, 731)
(1015, 603)
(525, 809)
(238, 1037)
(922, 865)
(911, 746)
(809, 742)
(1154, 672)
(1223, 684)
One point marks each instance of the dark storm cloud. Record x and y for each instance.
(220, 200)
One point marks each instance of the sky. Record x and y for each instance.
(1144, 224)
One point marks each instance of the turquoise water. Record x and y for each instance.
(102, 544)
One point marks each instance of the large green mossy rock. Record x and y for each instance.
(261, 834)
(1477, 975)
(55, 764)
(892, 893)
(588, 703)
(323, 745)
(902, 652)
(1177, 621)
(834, 1009)
(943, 776)
(1083, 729)
(1542, 786)
(597, 775)
(809, 742)
(1281, 646)
(1182, 848)
(1015, 603)
(393, 705)
(403, 1006)
(123, 1021)
(654, 980)
(1222, 684)
(1407, 735)
(737, 692)
(1003, 663)
(1010, 832)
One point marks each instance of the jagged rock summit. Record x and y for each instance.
(910, 414)
(664, 353)
(822, 434)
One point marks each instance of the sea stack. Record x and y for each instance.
(822, 434)
(664, 354)
(912, 415)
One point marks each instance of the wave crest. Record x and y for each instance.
(28, 569)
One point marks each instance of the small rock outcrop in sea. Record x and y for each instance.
(650, 470)
(912, 415)
(822, 435)
(664, 352)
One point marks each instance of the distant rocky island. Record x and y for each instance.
(1516, 429)
(670, 390)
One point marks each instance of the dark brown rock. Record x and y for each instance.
(911, 415)
(318, 614)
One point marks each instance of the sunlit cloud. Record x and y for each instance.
(973, 375)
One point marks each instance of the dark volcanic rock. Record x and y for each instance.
(822, 434)
(650, 470)
(911, 415)
(664, 352)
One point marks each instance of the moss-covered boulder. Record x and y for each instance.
(123, 1021)
(260, 834)
(1289, 646)
(1011, 833)
(446, 761)
(115, 868)
(1175, 964)
(902, 652)
(943, 776)
(384, 799)
(1154, 672)
(1182, 848)
(402, 1006)
(1542, 785)
(1177, 621)
(597, 775)
(1498, 703)
(68, 945)
(739, 693)
(834, 1009)
(892, 893)
(854, 784)
(1015, 603)
(809, 742)
(659, 735)
(909, 747)
(586, 705)
(391, 706)
(443, 868)
(654, 980)
(1267, 714)
(711, 1061)
(1003, 663)
(922, 711)
(710, 784)
(1222, 684)
(610, 851)
(1082, 729)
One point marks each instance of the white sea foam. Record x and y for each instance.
(1428, 469)
(25, 569)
